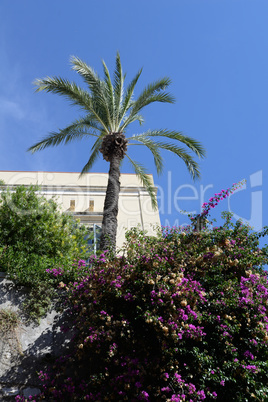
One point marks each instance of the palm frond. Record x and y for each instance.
(127, 101)
(63, 87)
(191, 143)
(191, 164)
(90, 77)
(153, 147)
(152, 93)
(118, 86)
(110, 96)
(75, 131)
(136, 117)
(97, 88)
(95, 152)
(72, 92)
(145, 180)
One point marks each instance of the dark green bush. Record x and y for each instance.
(35, 238)
(34, 234)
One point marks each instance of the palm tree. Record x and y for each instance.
(109, 109)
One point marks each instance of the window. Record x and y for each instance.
(91, 205)
(72, 205)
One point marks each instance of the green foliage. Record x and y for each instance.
(9, 323)
(35, 237)
(31, 223)
(39, 300)
(179, 317)
(9, 320)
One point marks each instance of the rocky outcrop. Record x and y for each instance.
(27, 347)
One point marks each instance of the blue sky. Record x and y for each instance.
(214, 51)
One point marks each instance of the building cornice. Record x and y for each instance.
(79, 190)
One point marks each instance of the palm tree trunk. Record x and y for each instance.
(110, 211)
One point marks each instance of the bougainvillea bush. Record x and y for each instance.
(179, 317)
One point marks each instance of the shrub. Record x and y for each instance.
(31, 225)
(180, 317)
(35, 237)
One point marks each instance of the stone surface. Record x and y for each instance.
(30, 347)
(30, 391)
(13, 391)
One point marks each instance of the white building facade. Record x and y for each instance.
(84, 197)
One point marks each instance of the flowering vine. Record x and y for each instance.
(213, 201)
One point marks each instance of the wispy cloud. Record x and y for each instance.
(9, 108)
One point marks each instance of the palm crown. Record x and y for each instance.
(109, 109)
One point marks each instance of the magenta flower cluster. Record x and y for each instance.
(213, 201)
(55, 271)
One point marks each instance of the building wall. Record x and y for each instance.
(84, 197)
